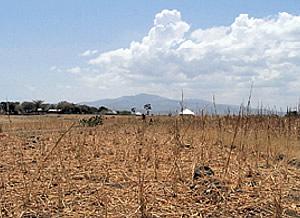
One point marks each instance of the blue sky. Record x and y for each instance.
(41, 43)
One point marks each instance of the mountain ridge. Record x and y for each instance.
(161, 105)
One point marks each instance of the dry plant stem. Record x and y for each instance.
(26, 197)
(176, 152)
(268, 142)
(220, 138)
(1, 196)
(255, 149)
(278, 206)
(156, 162)
(142, 203)
(59, 173)
(288, 139)
(47, 156)
(277, 198)
(236, 130)
(57, 142)
(214, 104)
(141, 172)
(106, 206)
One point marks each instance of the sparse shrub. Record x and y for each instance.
(124, 112)
(92, 121)
(292, 114)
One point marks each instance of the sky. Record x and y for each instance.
(79, 50)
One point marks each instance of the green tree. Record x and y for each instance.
(11, 107)
(38, 104)
(28, 107)
(148, 108)
(103, 110)
(66, 107)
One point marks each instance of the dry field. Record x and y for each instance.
(207, 166)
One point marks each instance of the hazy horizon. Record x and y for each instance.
(254, 105)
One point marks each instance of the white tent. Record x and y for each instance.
(187, 112)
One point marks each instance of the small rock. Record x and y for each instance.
(295, 163)
(280, 157)
(251, 174)
(29, 146)
(294, 196)
(3, 135)
(29, 215)
(33, 161)
(251, 183)
(291, 213)
(231, 146)
(201, 171)
(115, 185)
(186, 145)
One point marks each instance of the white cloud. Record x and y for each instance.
(74, 70)
(55, 69)
(88, 53)
(221, 60)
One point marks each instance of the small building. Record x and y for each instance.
(111, 112)
(187, 112)
(54, 111)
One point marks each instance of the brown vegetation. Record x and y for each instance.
(206, 166)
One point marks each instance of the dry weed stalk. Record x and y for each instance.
(232, 145)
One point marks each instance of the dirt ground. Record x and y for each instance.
(204, 166)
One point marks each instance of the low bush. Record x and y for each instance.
(92, 121)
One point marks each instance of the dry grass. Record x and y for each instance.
(131, 168)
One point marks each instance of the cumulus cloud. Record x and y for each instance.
(88, 53)
(221, 60)
(55, 69)
(74, 70)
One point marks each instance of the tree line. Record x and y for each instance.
(40, 107)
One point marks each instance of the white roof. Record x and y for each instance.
(138, 114)
(54, 110)
(186, 112)
(111, 112)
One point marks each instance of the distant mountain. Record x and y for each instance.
(161, 105)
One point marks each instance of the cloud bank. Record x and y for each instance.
(221, 60)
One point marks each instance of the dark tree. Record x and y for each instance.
(37, 104)
(66, 107)
(28, 107)
(148, 108)
(4, 107)
(11, 107)
(103, 110)
(124, 112)
(93, 110)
